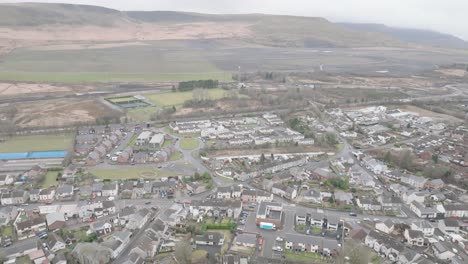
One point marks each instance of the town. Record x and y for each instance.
(368, 183)
(233, 132)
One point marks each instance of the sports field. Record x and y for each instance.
(178, 98)
(37, 143)
(131, 173)
(121, 99)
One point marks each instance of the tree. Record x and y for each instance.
(435, 158)
(183, 252)
(90, 253)
(174, 109)
(408, 125)
(331, 138)
(388, 157)
(407, 161)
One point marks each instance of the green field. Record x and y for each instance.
(157, 61)
(188, 143)
(178, 98)
(131, 173)
(141, 113)
(37, 143)
(176, 156)
(50, 179)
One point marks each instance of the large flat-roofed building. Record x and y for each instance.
(144, 137)
(270, 212)
(157, 141)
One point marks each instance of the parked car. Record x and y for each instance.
(352, 214)
(279, 239)
(279, 249)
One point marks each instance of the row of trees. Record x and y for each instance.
(190, 85)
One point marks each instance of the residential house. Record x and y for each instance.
(246, 240)
(64, 192)
(101, 228)
(449, 226)
(367, 203)
(96, 189)
(34, 195)
(434, 184)
(14, 197)
(424, 226)
(386, 227)
(110, 189)
(210, 239)
(108, 207)
(384, 245)
(443, 250)
(414, 237)
(456, 210)
(140, 157)
(7, 214)
(223, 193)
(175, 215)
(139, 219)
(312, 196)
(125, 156)
(117, 242)
(47, 195)
(138, 191)
(344, 197)
(30, 226)
(422, 211)
(195, 187)
(70, 171)
(390, 202)
(6, 179)
(408, 256)
(412, 195)
(134, 258)
(230, 208)
(413, 180)
(55, 243)
(374, 165)
(93, 158)
(319, 245)
(55, 221)
(284, 191)
(36, 171)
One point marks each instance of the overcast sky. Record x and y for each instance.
(449, 16)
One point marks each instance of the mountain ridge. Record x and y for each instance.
(269, 30)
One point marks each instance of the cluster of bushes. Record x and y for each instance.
(190, 85)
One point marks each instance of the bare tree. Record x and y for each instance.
(183, 252)
(91, 253)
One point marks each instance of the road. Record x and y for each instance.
(21, 246)
(120, 259)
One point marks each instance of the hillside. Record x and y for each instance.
(32, 14)
(269, 30)
(417, 36)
